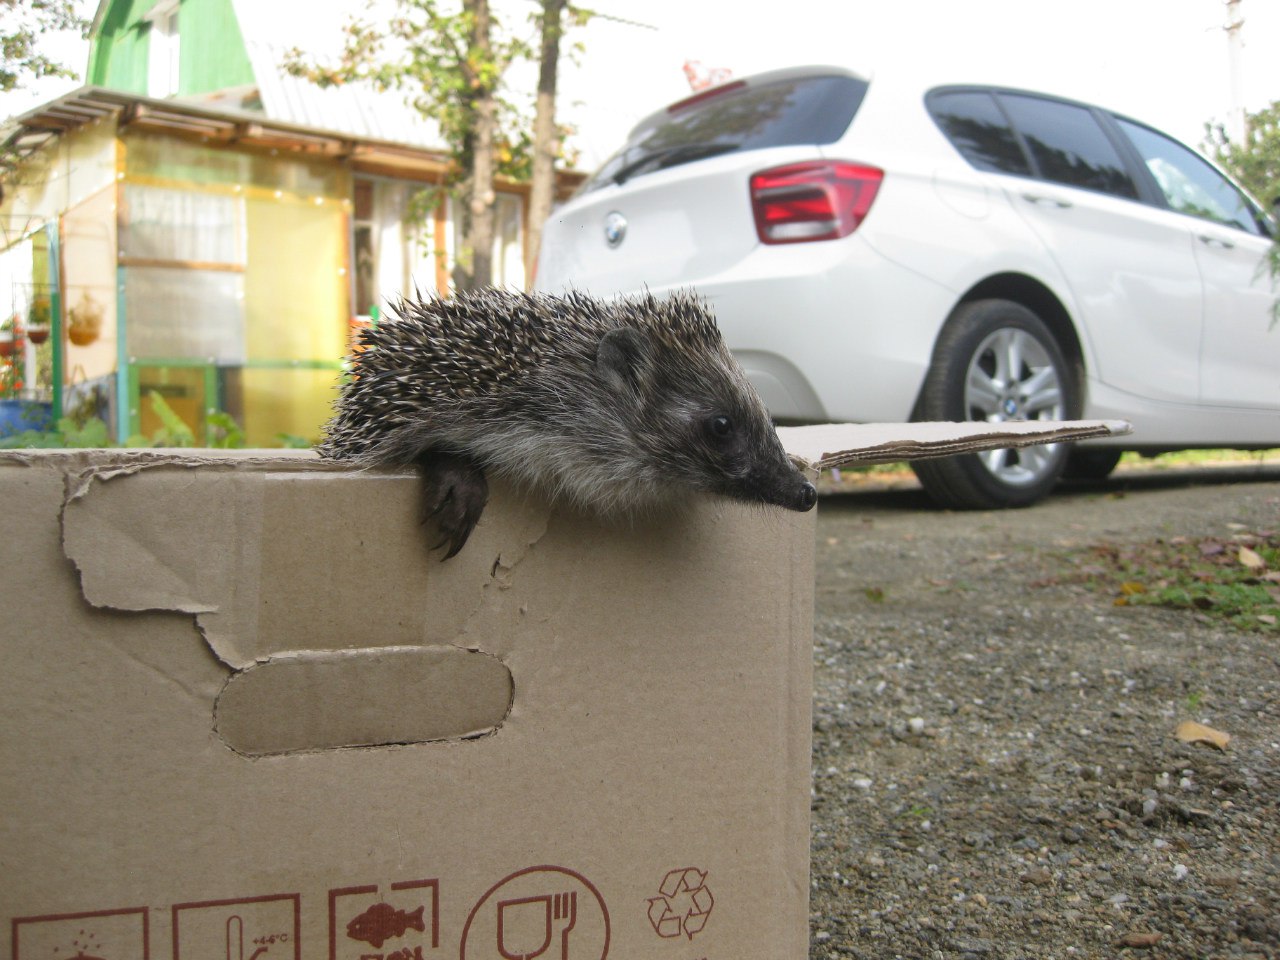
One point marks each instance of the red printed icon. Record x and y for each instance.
(252, 928)
(683, 905)
(543, 912)
(382, 921)
(547, 915)
(93, 935)
(398, 923)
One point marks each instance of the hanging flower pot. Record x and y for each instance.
(85, 324)
(39, 317)
(40, 313)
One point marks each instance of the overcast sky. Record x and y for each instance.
(1163, 61)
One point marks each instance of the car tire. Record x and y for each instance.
(995, 360)
(1091, 463)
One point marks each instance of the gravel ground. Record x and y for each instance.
(995, 768)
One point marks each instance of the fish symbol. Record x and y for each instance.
(381, 922)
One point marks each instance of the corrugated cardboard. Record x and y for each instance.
(246, 714)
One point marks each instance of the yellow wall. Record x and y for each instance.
(296, 300)
(296, 308)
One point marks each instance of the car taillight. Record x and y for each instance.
(821, 200)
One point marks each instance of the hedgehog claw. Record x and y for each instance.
(454, 496)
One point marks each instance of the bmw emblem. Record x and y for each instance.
(615, 229)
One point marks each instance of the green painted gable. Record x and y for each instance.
(211, 47)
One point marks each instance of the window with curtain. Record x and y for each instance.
(184, 258)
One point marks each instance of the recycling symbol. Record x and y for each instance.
(684, 903)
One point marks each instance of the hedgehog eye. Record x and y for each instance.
(720, 427)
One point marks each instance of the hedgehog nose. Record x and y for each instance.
(806, 497)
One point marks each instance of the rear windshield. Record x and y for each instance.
(798, 110)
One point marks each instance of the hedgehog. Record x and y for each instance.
(620, 407)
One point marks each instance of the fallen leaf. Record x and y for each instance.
(1139, 938)
(1191, 732)
(1251, 559)
(1210, 549)
(1267, 618)
(1130, 587)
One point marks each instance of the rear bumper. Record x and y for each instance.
(829, 331)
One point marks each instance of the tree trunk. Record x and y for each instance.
(542, 187)
(474, 261)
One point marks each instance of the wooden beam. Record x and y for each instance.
(126, 261)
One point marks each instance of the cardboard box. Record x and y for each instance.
(247, 715)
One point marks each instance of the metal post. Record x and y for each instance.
(55, 318)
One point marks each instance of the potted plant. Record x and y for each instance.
(39, 318)
(85, 321)
(10, 337)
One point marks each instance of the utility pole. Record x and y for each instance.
(1237, 124)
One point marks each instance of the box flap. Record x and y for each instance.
(840, 444)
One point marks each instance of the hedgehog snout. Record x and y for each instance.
(806, 498)
(801, 497)
(792, 491)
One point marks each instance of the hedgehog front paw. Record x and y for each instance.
(454, 495)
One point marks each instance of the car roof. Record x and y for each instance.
(755, 79)
(920, 81)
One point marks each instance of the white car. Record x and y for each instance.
(882, 251)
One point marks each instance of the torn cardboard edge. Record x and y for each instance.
(826, 445)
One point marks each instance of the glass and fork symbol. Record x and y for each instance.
(527, 926)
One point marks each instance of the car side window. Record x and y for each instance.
(1189, 184)
(976, 127)
(1068, 145)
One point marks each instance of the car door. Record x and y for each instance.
(1240, 348)
(1132, 272)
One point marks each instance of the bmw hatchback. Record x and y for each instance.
(881, 251)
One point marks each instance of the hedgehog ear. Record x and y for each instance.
(623, 359)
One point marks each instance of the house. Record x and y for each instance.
(201, 225)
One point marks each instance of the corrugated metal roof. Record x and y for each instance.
(355, 109)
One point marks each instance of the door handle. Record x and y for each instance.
(1211, 241)
(1043, 201)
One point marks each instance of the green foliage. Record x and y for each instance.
(1255, 162)
(66, 433)
(449, 59)
(427, 52)
(1234, 579)
(224, 433)
(173, 431)
(25, 21)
